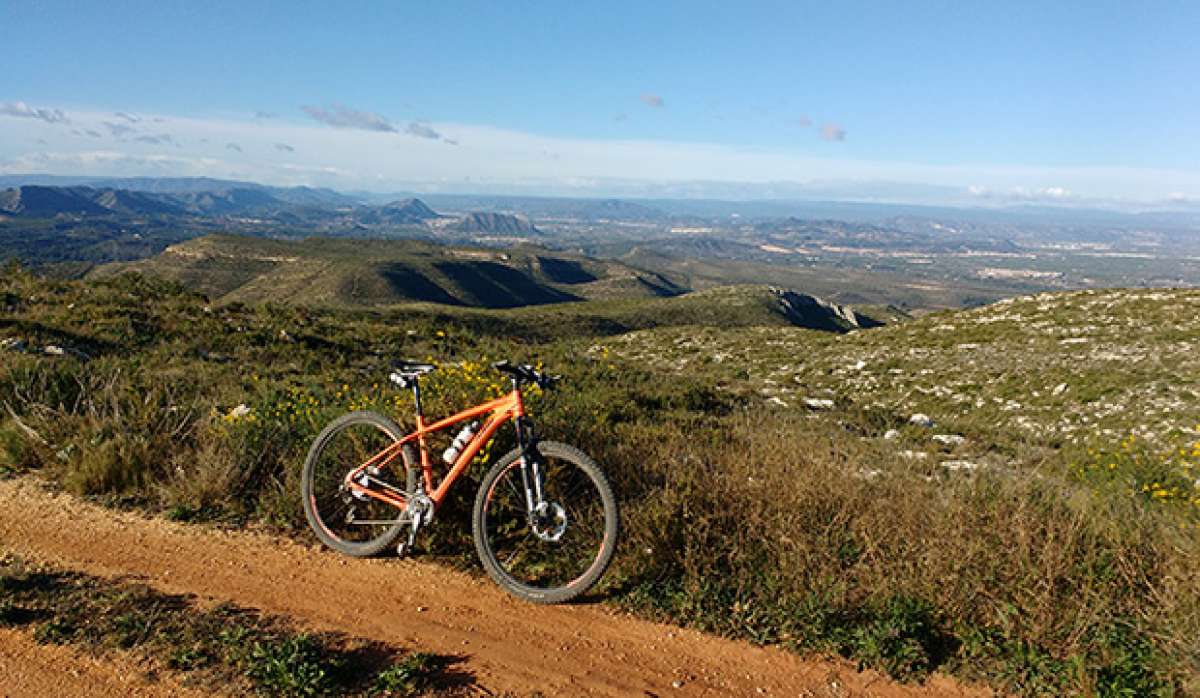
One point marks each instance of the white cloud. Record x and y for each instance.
(341, 116)
(420, 129)
(22, 110)
(1017, 193)
(160, 139)
(118, 130)
(494, 159)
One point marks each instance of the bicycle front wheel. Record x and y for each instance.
(554, 554)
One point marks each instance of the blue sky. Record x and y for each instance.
(1085, 102)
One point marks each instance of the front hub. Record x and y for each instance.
(549, 522)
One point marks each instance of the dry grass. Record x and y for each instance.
(764, 528)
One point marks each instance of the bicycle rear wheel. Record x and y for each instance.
(351, 523)
(560, 552)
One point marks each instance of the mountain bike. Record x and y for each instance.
(545, 520)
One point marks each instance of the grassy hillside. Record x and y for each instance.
(517, 287)
(381, 272)
(1066, 565)
(722, 307)
(1056, 370)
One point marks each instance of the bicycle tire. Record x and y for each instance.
(377, 544)
(604, 554)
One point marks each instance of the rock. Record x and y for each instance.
(1059, 389)
(921, 420)
(238, 412)
(948, 439)
(956, 465)
(776, 402)
(213, 356)
(805, 310)
(53, 350)
(818, 403)
(914, 455)
(891, 434)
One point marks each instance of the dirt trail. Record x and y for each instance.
(502, 643)
(30, 670)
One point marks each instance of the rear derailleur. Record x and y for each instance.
(418, 512)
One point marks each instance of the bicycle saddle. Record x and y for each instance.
(412, 369)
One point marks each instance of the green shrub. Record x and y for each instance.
(119, 464)
(17, 451)
(413, 674)
(291, 666)
(902, 638)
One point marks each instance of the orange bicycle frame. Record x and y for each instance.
(503, 409)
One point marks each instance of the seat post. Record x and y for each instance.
(416, 388)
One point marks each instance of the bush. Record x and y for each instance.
(292, 666)
(903, 573)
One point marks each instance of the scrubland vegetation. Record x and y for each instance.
(1063, 562)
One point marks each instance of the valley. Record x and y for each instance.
(911, 257)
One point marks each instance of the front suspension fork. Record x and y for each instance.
(531, 466)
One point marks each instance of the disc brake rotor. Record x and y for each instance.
(549, 522)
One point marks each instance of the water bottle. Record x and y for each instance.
(460, 442)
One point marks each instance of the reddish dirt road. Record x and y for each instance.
(503, 644)
(30, 670)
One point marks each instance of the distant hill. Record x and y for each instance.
(402, 212)
(203, 198)
(472, 283)
(136, 203)
(47, 202)
(302, 195)
(550, 207)
(37, 201)
(333, 272)
(720, 308)
(495, 223)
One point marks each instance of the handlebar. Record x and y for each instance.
(524, 373)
